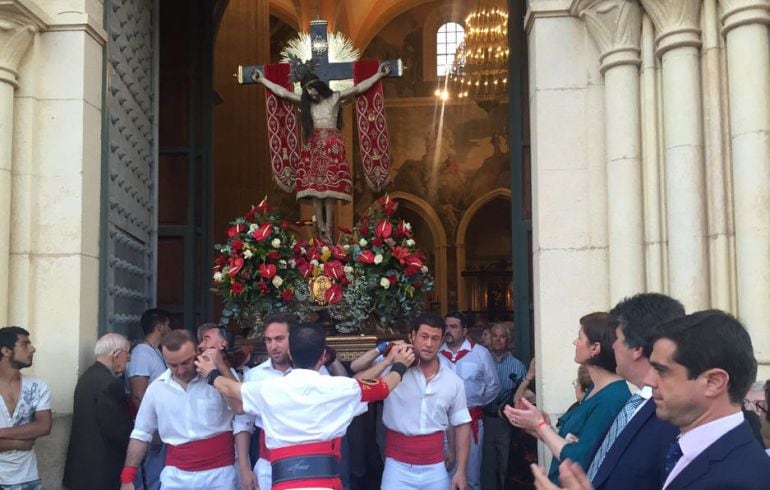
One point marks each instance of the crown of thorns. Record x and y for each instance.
(301, 69)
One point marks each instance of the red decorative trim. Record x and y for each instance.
(373, 390)
(282, 129)
(372, 129)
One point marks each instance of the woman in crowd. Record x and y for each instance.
(580, 431)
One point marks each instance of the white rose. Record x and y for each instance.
(408, 226)
(378, 259)
(292, 263)
(410, 243)
(324, 249)
(282, 263)
(247, 254)
(385, 282)
(218, 277)
(277, 281)
(313, 219)
(424, 269)
(362, 242)
(276, 242)
(314, 262)
(348, 269)
(346, 246)
(252, 228)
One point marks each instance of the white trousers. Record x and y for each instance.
(224, 478)
(405, 476)
(474, 461)
(263, 470)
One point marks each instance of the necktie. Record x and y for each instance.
(672, 456)
(616, 428)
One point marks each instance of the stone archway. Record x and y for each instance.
(462, 228)
(426, 211)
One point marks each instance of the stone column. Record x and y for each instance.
(748, 70)
(678, 43)
(17, 28)
(615, 25)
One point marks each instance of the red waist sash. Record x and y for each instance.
(476, 414)
(206, 454)
(421, 449)
(325, 448)
(264, 452)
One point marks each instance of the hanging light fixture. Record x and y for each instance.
(480, 67)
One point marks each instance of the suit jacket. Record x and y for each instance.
(101, 426)
(735, 461)
(635, 460)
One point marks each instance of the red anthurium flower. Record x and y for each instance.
(333, 294)
(236, 245)
(366, 257)
(334, 269)
(267, 270)
(287, 295)
(339, 253)
(411, 270)
(249, 216)
(236, 264)
(220, 261)
(263, 206)
(377, 241)
(303, 267)
(263, 232)
(284, 225)
(414, 261)
(383, 228)
(344, 230)
(400, 254)
(264, 289)
(234, 230)
(236, 288)
(273, 255)
(363, 229)
(402, 231)
(344, 280)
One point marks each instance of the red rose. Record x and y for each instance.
(236, 264)
(411, 271)
(236, 288)
(264, 289)
(234, 230)
(366, 257)
(220, 261)
(333, 294)
(400, 254)
(273, 255)
(344, 280)
(267, 270)
(418, 283)
(284, 225)
(363, 229)
(236, 246)
(377, 241)
(287, 295)
(263, 232)
(383, 228)
(334, 269)
(297, 249)
(393, 279)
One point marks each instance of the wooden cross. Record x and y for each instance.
(325, 70)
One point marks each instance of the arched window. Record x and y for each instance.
(448, 37)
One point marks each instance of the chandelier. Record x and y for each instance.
(480, 67)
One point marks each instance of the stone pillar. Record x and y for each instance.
(17, 28)
(678, 44)
(748, 70)
(615, 25)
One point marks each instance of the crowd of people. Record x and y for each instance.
(438, 410)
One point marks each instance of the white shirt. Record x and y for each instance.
(21, 466)
(700, 438)
(646, 393)
(146, 360)
(303, 406)
(181, 415)
(418, 408)
(477, 369)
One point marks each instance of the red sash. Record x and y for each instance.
(420, 450)
(476, 414)
(264, 452)
(330, 448)
(205, 454)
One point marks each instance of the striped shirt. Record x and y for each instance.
(506, 366)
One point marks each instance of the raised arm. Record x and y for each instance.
(365, 85)
(281, 92)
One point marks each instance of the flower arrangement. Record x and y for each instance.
(375, 269)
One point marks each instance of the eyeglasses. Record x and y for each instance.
(759, 406)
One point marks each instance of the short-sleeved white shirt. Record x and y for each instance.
(478, 371)
(303, 406)
(180, 415)
(146, 360)
(21, 466)
(418, 408)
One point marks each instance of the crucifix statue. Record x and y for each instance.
(321, 171)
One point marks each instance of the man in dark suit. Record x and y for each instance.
(703, 365)
(633, 448)
(101, 423)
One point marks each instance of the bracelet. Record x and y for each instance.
(128, 474)
(540, 425)
(213, 374)
(399, 368)
(382, 346)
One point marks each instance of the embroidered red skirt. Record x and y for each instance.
(323, 170)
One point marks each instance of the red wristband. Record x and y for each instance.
(541, 424)
(128, 474)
